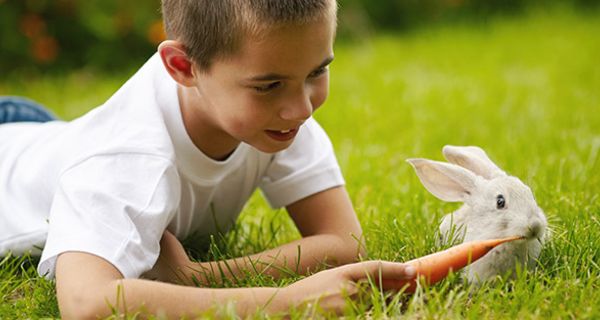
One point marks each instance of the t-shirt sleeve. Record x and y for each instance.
(115, 207)
(307, 167)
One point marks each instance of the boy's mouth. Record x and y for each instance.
(282, 135)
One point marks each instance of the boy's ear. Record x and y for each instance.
(177, 62)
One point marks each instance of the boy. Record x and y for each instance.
(224, 107)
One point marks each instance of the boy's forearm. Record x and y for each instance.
(81, 296)
(298, 257)
(176, 301)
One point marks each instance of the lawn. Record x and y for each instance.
(526, 89)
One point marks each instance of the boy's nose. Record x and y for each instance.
(298, 110)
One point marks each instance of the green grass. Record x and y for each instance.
(526, 89)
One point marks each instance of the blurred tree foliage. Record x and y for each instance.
(64, 34)
(42, 35)
(358, 18)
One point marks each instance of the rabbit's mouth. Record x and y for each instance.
(532, 238)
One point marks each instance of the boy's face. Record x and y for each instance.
(262, 94)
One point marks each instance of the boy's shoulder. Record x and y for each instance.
(135, 119)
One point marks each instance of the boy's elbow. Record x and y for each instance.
(84, 285)
(351, 249)
(359, 252)
(83, 305)
(362, 252)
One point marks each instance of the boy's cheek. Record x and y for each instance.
(319, 98)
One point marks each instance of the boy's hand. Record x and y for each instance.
(330, 288)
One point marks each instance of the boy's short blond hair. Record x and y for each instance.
(211, 29)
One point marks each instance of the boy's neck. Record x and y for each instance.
(213, 142)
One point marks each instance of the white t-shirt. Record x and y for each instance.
(109, 183)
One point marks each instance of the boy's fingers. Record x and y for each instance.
(381, 269)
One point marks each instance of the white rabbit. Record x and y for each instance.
(496, 205)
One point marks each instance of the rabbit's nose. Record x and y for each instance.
(534, 229)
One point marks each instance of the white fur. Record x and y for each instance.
(471, 177)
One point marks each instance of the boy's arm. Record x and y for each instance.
(89, 287)
(330, 228)
(331, 234)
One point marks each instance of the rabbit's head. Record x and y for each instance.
(496, 205)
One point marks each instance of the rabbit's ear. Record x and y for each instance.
(474, 159)
(446, 181)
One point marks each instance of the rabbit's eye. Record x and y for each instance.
(500, 202)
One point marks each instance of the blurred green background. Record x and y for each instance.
(59, 35)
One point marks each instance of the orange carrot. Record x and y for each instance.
(436, 266)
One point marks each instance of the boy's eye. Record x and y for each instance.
(317, 72)
(268, 87)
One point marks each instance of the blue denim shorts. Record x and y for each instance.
(17, 109)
